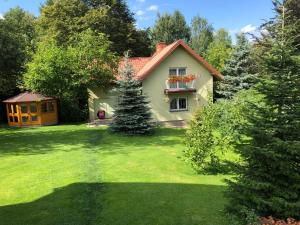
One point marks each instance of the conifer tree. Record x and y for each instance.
(269, 180)
(238, 71)
(132, 114)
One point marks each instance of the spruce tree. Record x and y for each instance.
(132, 114)
(238, 71)
(269, 180)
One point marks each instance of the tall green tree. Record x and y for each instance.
(269, 180)
(16, 47)
(239, 70)
(67, 72)
(132, 113)
(17, 43)
(293, 17)
(219, 49)
(63, 19)
(201, 34)
(169, 28)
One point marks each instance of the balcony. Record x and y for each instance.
(180, 84)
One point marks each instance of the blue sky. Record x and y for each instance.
(234, 15)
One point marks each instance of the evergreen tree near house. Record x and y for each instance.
(269, 180)
(132, 114)
(238, 70)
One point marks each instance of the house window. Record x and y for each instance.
(14, 108)
(25, 119)
(33, 108)
(47, 107)
(9, 108)
(44, 107)
(34, 118)
(24, 108)
(178, 104)
(50, 107)
(180, 71)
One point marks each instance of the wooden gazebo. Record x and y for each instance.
(29, 109)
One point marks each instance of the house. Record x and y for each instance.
(176, 80)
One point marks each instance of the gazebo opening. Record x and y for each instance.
(29, 109)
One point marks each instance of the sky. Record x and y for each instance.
(233, 15)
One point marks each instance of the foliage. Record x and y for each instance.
(201, 35)
(214, 128)
(16, 47)
(132, 114)
(293, 18)
(239, 70)
(269, 180)
(64, 19)
(219, 50)
(169, 28)
(66, 73)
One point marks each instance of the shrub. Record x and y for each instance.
(214, 130)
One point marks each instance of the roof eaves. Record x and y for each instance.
(143, 74)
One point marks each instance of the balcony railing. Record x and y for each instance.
(178, 84)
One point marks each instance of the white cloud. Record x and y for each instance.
(1, 16)
(140, 13)
(152, 8)
(248, 28)
(142, 1)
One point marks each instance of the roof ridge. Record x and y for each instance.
(160, 56)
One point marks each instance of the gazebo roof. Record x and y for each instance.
(27, 97)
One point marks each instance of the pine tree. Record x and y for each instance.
(132, 114)
(239, 70)
(269, 180)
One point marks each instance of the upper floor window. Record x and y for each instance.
(179, 71)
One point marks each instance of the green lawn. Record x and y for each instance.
(75, 175)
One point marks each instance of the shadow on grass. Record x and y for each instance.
(18, 141)
(120, 204)
(224, 167)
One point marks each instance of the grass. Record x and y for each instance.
(75, 175)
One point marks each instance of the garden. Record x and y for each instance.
(237, 163)
(73, 174)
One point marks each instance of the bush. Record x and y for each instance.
(214, 131)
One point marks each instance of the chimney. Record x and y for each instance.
(160, 46)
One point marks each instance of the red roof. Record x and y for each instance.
(144, 65)
(137, 63)
(27, 97)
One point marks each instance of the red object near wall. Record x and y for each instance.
(101, 114)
